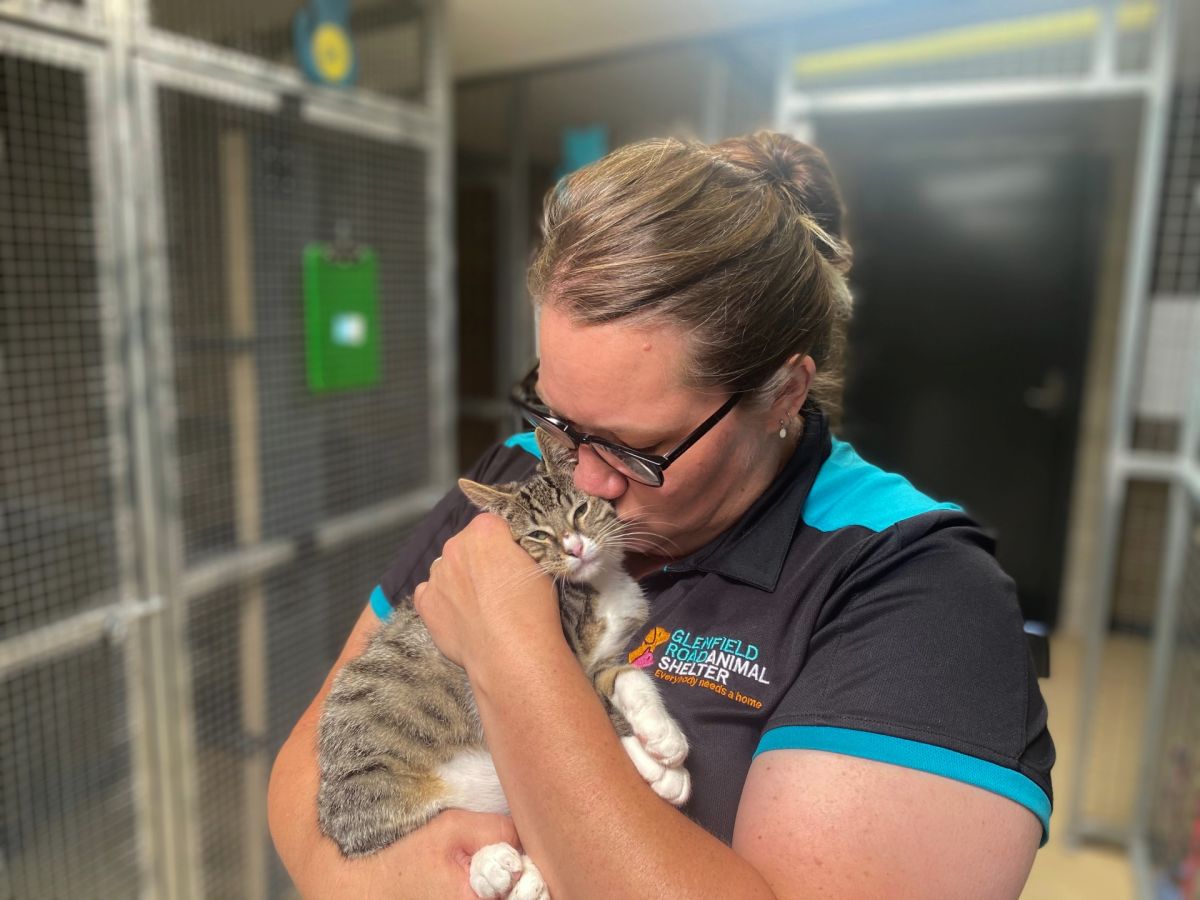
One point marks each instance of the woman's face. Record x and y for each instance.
(624, 383)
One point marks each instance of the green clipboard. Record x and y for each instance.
(341, 318)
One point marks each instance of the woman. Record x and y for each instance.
(843, 653)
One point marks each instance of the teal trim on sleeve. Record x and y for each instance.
(379, 603)
(850, 491)
(526, 441)
(914, 755)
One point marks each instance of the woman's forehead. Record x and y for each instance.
(612, 376)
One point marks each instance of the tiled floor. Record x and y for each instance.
(1090, 873)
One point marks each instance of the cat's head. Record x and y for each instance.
(570, 534)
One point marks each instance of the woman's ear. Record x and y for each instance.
(800, 373)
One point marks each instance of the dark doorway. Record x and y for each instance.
(977, 241)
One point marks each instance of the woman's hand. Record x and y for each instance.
(486, 594)
(445, 846)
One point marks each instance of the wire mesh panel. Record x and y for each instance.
(66, 792)
(1175, 305)
(1139, 558)
(314, 455)
(1134, 49)
(389, 37)
(1177, 270)
(309, 609)
(57, 535)
(1174, 836)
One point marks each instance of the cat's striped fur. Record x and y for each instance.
(400, 737)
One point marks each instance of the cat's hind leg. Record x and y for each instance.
(472, 783)
(368, 808)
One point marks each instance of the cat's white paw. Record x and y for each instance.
(636, 696)
(494, 870)
(672, 783)
(531, 886)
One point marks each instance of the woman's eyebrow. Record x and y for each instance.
(614, 434)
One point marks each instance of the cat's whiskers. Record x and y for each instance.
(648, 548)
(631, 537)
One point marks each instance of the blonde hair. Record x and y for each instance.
(739, 244)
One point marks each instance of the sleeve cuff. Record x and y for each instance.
(914, 755)
(379, 604)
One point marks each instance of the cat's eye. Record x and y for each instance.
(539, 535)
(580, 513)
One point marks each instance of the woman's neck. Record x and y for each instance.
(639, 565)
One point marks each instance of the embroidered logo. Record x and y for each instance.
(643, 655)
(721, 664)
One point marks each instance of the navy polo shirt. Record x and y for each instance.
(846, 612)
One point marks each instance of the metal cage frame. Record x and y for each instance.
(125, 60)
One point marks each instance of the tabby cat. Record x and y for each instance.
(400, 738)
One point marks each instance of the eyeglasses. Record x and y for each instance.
(645, 468)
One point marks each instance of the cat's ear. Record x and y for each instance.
(488, 498)
(557, 459)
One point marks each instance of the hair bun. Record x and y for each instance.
(801, 170)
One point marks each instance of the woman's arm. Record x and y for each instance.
(595, 828)
(810, 824)
(821, 824)
(430, 862)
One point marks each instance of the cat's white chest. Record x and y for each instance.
(621, 605)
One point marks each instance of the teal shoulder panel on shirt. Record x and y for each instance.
(526, 441)
(850, 491)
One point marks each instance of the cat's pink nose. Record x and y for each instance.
(573, 544)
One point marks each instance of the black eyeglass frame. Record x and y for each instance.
(657, 465)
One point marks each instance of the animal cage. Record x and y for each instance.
(188, 529)
(1137, 777)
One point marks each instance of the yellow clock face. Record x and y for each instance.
(332, 52)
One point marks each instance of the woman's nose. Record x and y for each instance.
(596, 477)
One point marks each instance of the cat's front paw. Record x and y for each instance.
(672, 783)
(498, 870)
(663, 740)
(637, 699)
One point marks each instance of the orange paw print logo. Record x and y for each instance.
(643, 655)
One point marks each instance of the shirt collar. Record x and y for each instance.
(753, 550)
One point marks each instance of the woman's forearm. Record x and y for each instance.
(314, 863)
(584, 814)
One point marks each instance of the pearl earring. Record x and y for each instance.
(782, 429)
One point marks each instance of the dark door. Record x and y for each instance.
(974, 281)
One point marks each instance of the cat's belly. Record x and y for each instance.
(472, 784)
